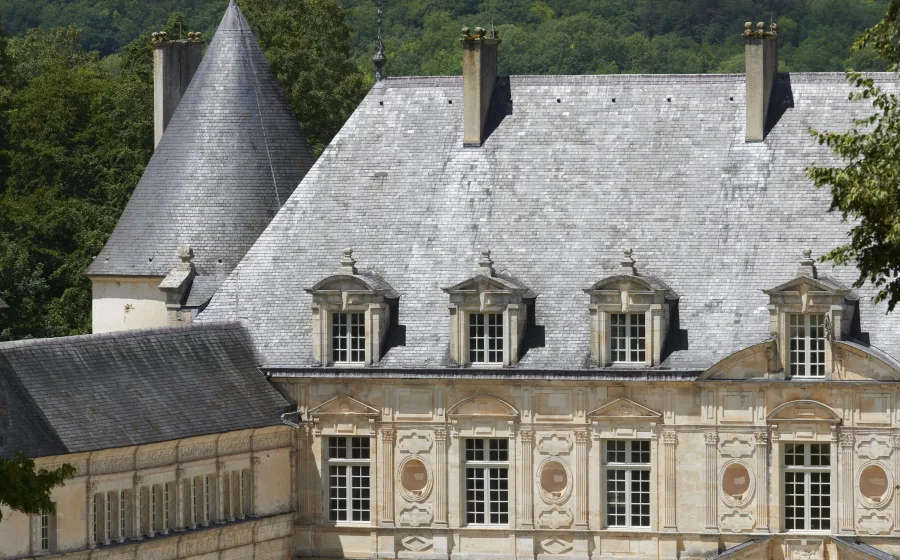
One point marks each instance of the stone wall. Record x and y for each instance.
(126, 303)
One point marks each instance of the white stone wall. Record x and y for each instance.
(125, 303)
(696, 429)
(263, 531)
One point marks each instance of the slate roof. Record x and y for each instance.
(231, 155)
(582, 168)
(82, 393)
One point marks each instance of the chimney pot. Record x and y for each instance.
(480, 61)
(174, 65)
(761, 53)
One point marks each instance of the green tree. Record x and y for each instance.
(26, 490)
(306, 43)
(866, 189)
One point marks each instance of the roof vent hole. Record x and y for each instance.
(558, 100)
(450, 101)
(613, 99)
(669, 99)
(220, 261)
(150, 259)
(731, 98)
(381, 103)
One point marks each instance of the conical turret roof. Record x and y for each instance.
(232, 154)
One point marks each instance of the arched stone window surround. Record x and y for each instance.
(483, 416)
(630, 292)
(351, 290)
(410, 495)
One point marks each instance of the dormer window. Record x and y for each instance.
(351, 315)
(629, 317)
(488, 313)
(628, 338)
(805, 313)
(807, 344)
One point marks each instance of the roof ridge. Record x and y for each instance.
(120, 335)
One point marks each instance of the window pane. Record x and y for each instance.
(820, 454)
(819, 501)
(794, 454)
(615, 498)
(499, 495)
(474, 450)
(475, 495)
(360, 493)
(337, 493)
(337, 448)
(476, 338)
(357, 337)
(640, 451)
(618, 338)
(359, 448)
(640, 498)
(637, 338)
(615, 451)
(499, 450)
(794, 501)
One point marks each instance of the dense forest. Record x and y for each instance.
(76, 92)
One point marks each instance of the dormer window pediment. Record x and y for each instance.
(804, 314)
(630, 314)
(351, 315)
(488, 315)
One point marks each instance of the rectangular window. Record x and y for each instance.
(153, 520)
(807, 345)
(486, 338)
(807, 486)
(110, 505)
(123, 516)
(627, 465)
(165, 511)
(487, 481)
(627, 338)
(207, 499)
(195, 502)
(348, 338)
(348, 479)
(47, 530)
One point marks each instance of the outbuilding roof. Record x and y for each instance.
(581, 168)
(230, 157)
(82, 393)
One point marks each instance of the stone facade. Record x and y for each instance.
(241, 482)
(699, 432)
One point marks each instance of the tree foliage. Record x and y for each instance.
(26, 490)
(866, 189)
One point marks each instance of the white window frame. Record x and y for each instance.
(633, 344)
(808, 470)
(483, 464)
(195, 502)
(348, 338)
(340, 451)
(486, 337)
(801, 360)
(123, 520)
(612, 463)
(46, 537)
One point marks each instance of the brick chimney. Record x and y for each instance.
(761, 51)
(479, 77)
(174, 64)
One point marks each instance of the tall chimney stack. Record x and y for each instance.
(479, 77)
(174, 64)
(761, 51)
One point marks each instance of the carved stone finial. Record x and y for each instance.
(348, 263)
(807, 265)
(379, 60)
(485, 264)
(760, 27)
(186, 254)
(628, 262)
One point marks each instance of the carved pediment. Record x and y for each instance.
(630, 287)
(483, 406)
(343, 406)
(748, 363)
(488, 288)
(349, 281)
(810, 289)
(804, 410)
(625, 408)
(854, 361)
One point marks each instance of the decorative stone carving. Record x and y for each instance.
(410, 473)
(272, 441)
(734, 491)
(874, 447)
(416, 543)
(804, 549)
(556, 545)
(555, 518)
(112, 464)
(711, 438)
(414, 442)
(415, 516)
(155, 458)
(846, 440)
(198, 451)
(234, 445)
(238, 537)
(736, 446)
(554, 481)
(552, 444)
(670, 438)
(736, 521)
(874, 523)
(875, 485)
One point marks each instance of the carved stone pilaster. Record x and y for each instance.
(710, 523)
(670, 442)
(581, 478)
(305, 469)
(762, 481)
(896, 442)
(845, 468)
(440, 476)
(526, 436)
(387, 476)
